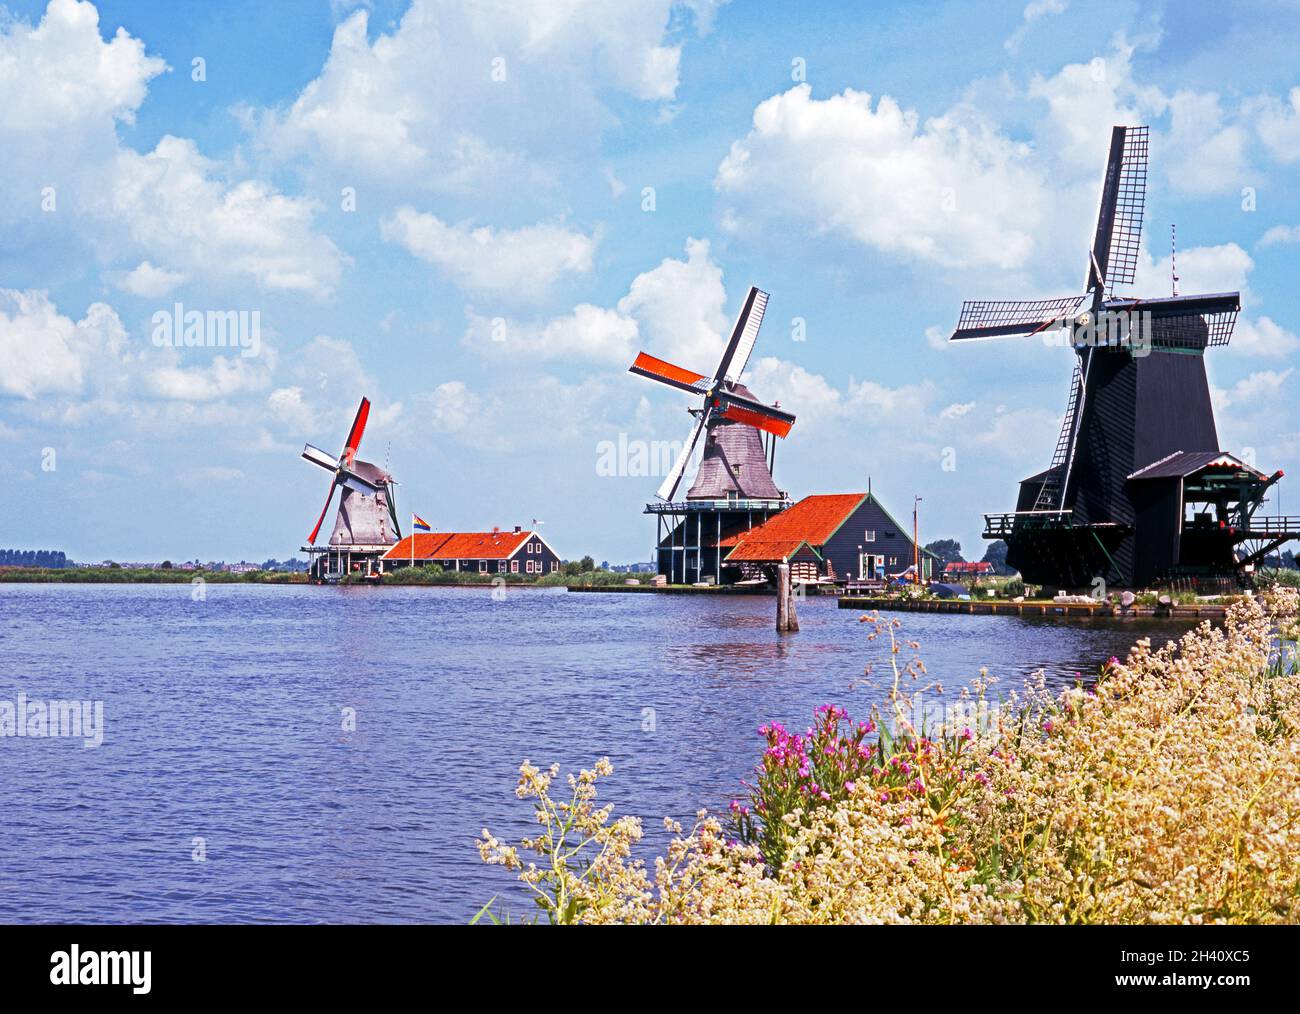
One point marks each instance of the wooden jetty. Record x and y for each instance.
(1039, 607)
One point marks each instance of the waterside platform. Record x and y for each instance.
(1041, 607)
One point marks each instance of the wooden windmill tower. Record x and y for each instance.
(1138, 490)
(733, 488)
(366, 525)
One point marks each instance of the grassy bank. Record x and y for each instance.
(1161, 790)
(143, 575)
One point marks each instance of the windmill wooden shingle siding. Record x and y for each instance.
(1138, 396)
(733, 488)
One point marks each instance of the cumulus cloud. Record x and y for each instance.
(1034, 11)
(588, 333)
(950, 190)
(506, 264)
(66, 91)
(1277, 122)
(150, 282)
(1264, 337)
(42, 351)
(674, 311)
(459, 93)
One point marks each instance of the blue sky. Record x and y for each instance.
(868, 165)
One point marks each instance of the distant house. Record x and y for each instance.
(840, 536)
(494, 552)
(961, 569)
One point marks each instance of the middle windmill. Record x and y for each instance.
(733, 488)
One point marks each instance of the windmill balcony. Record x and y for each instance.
(736, 504)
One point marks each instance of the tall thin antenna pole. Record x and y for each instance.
(1173, 255)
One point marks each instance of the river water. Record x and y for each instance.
(231, 786)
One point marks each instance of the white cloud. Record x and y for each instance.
(1264, 337)
(1278, 125)
(1033, 12)
(65, 92)
(1281, 234)
(1263, 386)
(680, 306)
(60, 72)
(507, 264)
(951, 191)
(1203, 153)
(221, 378)
(674, 311)
(43, 352)
(458, 93)
(150, 282)
(588, 333)
(453, 406)
(1222, 268)
(558, 414)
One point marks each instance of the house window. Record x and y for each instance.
(482, 566)
(514, 566)
(870, 535)
(501, 566)
(555, 565)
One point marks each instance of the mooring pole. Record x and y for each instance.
(786, 617)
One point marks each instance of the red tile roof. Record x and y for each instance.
(764, 550)
(459, 545)
(813, 520)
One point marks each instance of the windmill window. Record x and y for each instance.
(870, 535)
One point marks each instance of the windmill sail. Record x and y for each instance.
(726, 402)
(666, 373)
(744, 335)
(1003, 318)
(1123, 203)
(668, 489)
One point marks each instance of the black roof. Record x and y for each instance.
(1184, 463)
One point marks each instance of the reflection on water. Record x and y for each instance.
(223, 722)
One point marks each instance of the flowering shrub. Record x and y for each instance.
(1167, 792)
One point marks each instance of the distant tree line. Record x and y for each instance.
(34, 558)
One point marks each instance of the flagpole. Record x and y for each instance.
(412, 542)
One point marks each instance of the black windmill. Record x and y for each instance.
(1138, 491)
(733, 487)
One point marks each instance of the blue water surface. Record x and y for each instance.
(224, 721)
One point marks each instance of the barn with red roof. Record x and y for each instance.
(829, 537)
(494, 552)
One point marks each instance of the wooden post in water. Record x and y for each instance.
(787, 619)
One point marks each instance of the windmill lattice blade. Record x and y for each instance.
(668, 489)
(311, 539)
(1008, 317)
(738, 334)
(1129, 207)
(318, 457)
(1119, 218)
(749, 335)
(666, 373)
(354, 435)
(1186, 322)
